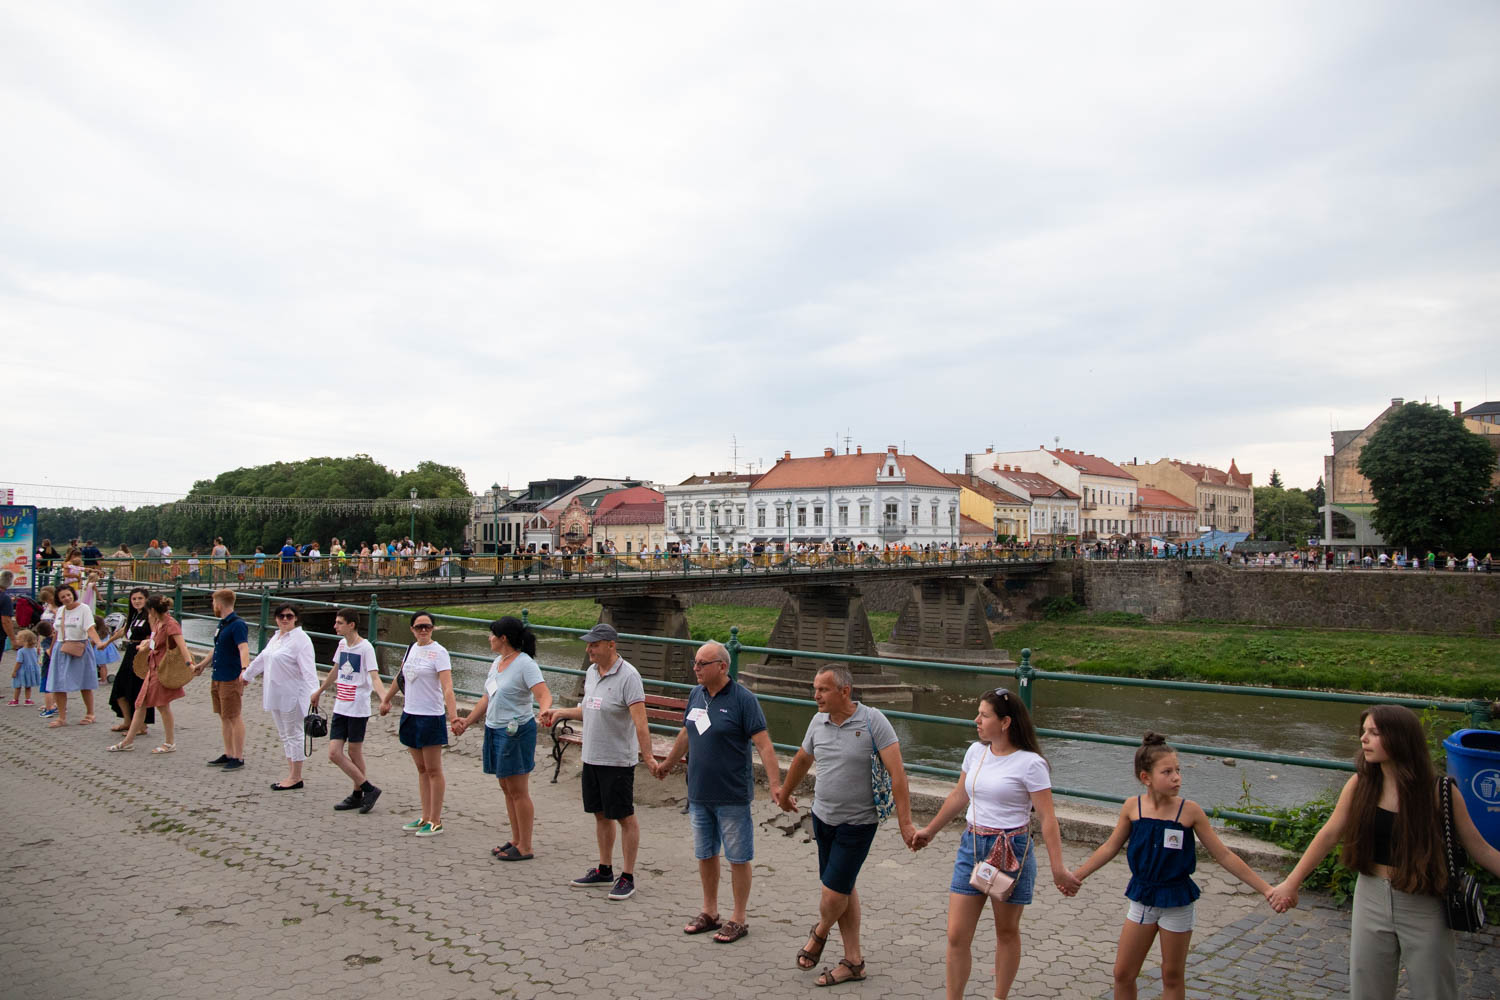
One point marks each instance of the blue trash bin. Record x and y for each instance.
(1474, 760)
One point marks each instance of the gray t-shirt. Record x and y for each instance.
(844, 792)
(608, 731)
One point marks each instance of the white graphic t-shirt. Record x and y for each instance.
(352, 689)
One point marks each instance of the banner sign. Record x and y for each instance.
(18, 547)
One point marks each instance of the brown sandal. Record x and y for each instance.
(732, 931)
(830, 977)
(811, 957)
(702, 924)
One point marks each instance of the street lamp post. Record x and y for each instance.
(412, 533)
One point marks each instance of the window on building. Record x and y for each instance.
(780, 517)
(915, 512)
(892, 514)
(801, 517)
(817, 517)
(864, 515)
(843, 515)
(740, 516)
(760, 517)
(700, 517)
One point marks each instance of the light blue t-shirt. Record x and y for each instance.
(510, 691)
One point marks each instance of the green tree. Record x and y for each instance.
(1318, 495)
(1276, 479)
(1285, 515)
(1430, 475)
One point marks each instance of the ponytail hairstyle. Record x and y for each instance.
(159, 603)
(1007, 704)
(1420, 867)
(517, 633)
(1153, 747)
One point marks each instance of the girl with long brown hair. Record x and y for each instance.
(1004, 777)
(1390, 825)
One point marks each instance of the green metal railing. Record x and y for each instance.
(1027, 677)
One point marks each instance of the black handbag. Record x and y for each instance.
(1462, 907)
(315, 724)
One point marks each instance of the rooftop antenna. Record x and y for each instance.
(734, 455)
(848, 437)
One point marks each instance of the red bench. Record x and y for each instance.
(659, 709)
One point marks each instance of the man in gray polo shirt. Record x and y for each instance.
(613, 712)
(841, 739)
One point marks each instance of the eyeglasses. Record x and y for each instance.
(707, 663)
(421, 628)
(286, 617)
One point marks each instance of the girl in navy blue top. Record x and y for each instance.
(1157, 831)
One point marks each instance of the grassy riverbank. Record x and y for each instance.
(705, 621)
(1125, 646)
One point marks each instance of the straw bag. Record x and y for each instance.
(173, 671)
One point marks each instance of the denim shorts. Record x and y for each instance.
(418, 731)
(506, 756)
(727, 823)
(842, 849)
(972, 844)
(1177, 919)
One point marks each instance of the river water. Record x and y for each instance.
(1275, 725)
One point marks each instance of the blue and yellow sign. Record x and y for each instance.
(18, 547)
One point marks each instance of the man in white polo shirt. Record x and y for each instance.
(613, 712)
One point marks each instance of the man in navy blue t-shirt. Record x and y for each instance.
(721, 722)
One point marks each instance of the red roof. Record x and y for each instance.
(634, 513)
(968, 527)
(635, 494)
(1091, 465)
(1161, 498)
(984, 488)
(1036, 485)
(845, 470)
(1214, 477)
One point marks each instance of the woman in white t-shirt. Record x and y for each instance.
(354, 676)
(1004, 777)
(429, 703)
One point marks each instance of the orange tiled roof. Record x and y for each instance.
(651, 512)
(635, 494)
(845, 470)
(968, 528)
(1161, 498)
(1038, 485)
(984, 488)
(1214, 477)
(1091, 465)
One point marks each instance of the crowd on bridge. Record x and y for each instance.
(1389, 818)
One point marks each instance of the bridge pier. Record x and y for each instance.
(656, 615)
(944, 618)
(828, 618)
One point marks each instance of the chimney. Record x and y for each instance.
(1397, 400)
(890, 449)
(859, 449)
(1458, 409)
(827, 452)
(989, 451)
(786, 456)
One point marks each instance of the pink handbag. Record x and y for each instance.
(989, 876)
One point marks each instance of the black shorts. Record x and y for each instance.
(609, 790)
(350, 728)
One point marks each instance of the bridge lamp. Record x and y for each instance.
(412, 532)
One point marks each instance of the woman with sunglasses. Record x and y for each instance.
(1004, 777)
(291, 672)
(428, 709)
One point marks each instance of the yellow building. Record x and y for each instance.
(1225, 500)
(984, 502)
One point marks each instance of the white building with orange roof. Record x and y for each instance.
(1108, 500)
(874, 498)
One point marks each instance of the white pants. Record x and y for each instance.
(1391, 928)
(289, 728)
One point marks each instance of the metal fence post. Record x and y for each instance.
(265, 616)
(109, 590)
(374, 626)
(177, 601)
(1026, 673)
(733, 645)
(525, 618)
(1480, 714)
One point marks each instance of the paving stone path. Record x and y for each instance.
(132, 875)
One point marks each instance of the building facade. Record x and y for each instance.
(1166, 516)
(1008, 515)
(629, 527)
(1054, 509)
(1224, 500)
(1108, 503)
(483, 530)
(708, 511)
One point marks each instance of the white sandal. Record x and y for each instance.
(121, 747)
(165, 748)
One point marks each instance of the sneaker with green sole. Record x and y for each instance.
(430, 830)
(414, 825)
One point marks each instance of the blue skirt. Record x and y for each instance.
(73, 673)
(109, 654)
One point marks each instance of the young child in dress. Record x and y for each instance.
(45, 633)
(1158, 828)
(105, 652)
(90, 593)
(28, 670)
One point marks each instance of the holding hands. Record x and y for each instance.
(549, 715)
(920, 838)
(784, 798)
(1282, 897)
(1067, 883)
(459, 725)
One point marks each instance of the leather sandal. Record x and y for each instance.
(811, 957)
(830, 976)
(701, 924)
(731, 932)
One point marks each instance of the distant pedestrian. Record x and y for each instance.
(510, 728)
(428, 710)
(1390, 821)
(723, 720)
(289, 562)
(613, 712)
(1003, 777)
(230, 660)
(355, 675)
(845, 739)
(290, 669)
(165, 634)
(1156, 830)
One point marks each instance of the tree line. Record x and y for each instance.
(243, 527)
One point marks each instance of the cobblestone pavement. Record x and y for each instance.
(132, 875)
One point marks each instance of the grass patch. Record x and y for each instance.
(705, 621)
(1125, 646)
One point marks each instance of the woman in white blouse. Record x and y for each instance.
(1004, 777)
(291, 677)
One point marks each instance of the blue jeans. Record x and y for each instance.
(972, 847)
(726, 823)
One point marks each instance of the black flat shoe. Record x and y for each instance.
(351, 802)
(371, 794)
(275, 787)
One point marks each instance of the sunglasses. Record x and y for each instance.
(421, 628)
(286, 617)
(1001, 693)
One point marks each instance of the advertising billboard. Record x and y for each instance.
(18, 547)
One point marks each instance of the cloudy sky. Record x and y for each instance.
(610, 238)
